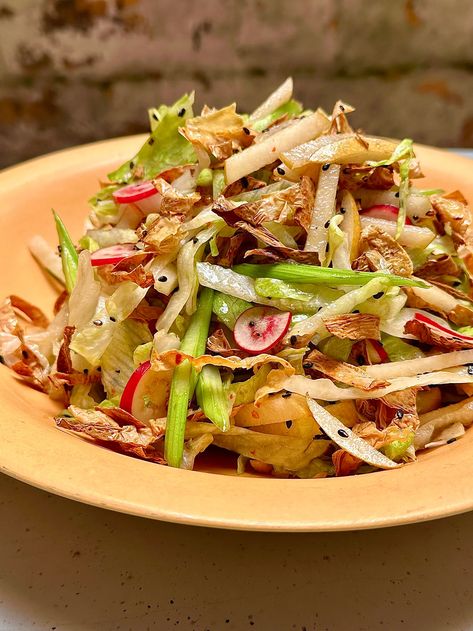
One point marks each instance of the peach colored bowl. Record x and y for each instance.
(34, 451)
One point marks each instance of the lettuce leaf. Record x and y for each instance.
(118, 359)
(228, 308)
(399, 350)
(292, 108)
(93, 339)
(245, 391)
(165, 147)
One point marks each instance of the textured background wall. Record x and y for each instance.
(72, 71)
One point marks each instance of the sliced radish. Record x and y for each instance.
(384, 211)
(444, 329)
(112, 255)
(146, 393)
(376, 352)
(258, 329)
(134, 192)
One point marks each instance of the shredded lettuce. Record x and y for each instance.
(274, 288)
(396, 450)
(240, 286)
(165, 147)
(218, 183)
(93, 339)
(142, 353)
(87, 243)
(399, 350)
(292, 108)
(337, 348)
(104, 237)
(117, 361)
(228, 308)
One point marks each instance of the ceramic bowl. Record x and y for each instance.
(32, 449)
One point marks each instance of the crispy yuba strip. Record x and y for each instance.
(394, 257)
(354, 326)
(343, 372)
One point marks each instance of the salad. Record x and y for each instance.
(277, 285)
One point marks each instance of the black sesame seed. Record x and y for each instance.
(155, 116)
(399, 414)
(356, 311)
(327, 224)
(132, 164)
(86, 371)
(246, 130)
(343, 210)
(59, 249)
(289, 424)
(251, 323)
(307, 365)
(451, 440)
(293, 339)
(326, 166)
(162, 279)
(98, 322)
(286, 395)
(151, 141)
(181, 112)
(112, 319)
(99, 368)
(342, 433)
(117, 371)
(342, 109)
(195, 240)
(470, 369)
(380, 294)
(281, 171)
(396, 194)
(415, 217)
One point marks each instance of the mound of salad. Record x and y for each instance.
(275, 284)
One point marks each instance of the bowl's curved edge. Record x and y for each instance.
(25, 471)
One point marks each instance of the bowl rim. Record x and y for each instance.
(209, 499)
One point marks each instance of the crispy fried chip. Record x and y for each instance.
(395, 258)
(33, 313)
(174, 202)
(354, 326)
(219, 132)
(435, 337)
(343, 372)
(453, 210)
(140, 442)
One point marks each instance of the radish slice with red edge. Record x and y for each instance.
(376, 352)
(383, 211)
(146, 393)
(134, 192)
(112, 255)
(444, 329)
(259, 329)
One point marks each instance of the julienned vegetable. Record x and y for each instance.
(68, 253)
(271, 284)
(299, 273)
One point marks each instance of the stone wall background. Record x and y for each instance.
(72, 71)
